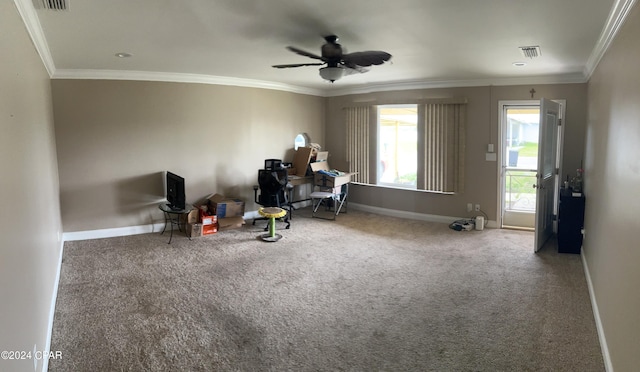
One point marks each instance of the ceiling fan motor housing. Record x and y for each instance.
(331, 50)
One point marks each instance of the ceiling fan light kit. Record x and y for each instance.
(331, 73)
(339, 63)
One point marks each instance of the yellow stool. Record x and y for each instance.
(272, 213)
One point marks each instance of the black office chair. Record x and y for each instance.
(274, 192)
(272, 164)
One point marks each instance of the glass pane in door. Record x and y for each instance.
(520, 163)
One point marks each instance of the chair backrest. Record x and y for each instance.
(272, 183)
(272, 164)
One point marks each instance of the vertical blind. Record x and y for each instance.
(441, 145)
(358, 148)
(444, 147)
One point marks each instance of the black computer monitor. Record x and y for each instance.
(175, 191)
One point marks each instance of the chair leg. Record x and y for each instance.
(315, 206)
(287, 220)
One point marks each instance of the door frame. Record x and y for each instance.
(502, 131)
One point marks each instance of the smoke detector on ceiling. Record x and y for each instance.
(51, 4)
(530, 51)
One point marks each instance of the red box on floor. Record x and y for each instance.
(209, 229)
(206, 219)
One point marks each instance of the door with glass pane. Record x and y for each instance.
(547, 176)
(520, 137)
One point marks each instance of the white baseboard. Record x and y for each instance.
(129, 230)
(52, 310)
(150, 228)
(110, 233)
(412, 215)
(596, 314)
(254, 214)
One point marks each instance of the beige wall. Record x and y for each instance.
(30, 246)
(116, 138)
(612, 189)
(481, 183)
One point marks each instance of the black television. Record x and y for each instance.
(175, 191)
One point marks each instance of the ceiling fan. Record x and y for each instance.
(339, 63)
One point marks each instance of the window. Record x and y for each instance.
(414, 146)
(301, 140)
(397, 145)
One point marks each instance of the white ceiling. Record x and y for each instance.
(433, 42)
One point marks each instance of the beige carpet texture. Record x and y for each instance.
(363, 293)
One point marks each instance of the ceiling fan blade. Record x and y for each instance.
(298, 65)
(304, 53)
(348, 70)
(368, 58)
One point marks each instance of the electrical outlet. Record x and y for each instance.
(477, 207)
(469, 207)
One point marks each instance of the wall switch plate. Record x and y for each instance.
(469, 207)
(490, 147)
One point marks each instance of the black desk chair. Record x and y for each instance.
(270, 164)
(274, 192)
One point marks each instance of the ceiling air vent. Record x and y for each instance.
(52, 4)
(530, 51)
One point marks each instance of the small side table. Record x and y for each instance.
(172, 216)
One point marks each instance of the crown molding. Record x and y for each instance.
(32, 23)
(180, 78)
(29, 16)
(83, 74)
(430, 84)
(617, 16)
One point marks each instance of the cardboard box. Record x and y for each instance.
(209, 229)
(324, 180)
(194, 230)
(207, 219)
(322, 156)
(301, 160)
(228, 223)
(226, 207)
(192, 217)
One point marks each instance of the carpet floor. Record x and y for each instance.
(362, 293)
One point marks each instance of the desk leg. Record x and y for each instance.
(290, 203)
